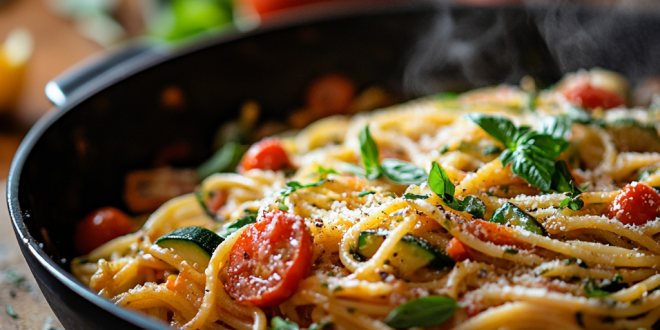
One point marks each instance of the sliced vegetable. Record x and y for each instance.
(422, 312)
(409, 255)
(442, 186)
(194, 244)
(100, 227)
(636, 204)
(492, 232)
(267, 154)
(629, 135)
(511, 214)
(269, 259)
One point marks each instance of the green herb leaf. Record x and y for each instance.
(531, 154)
(238, 224)
(365, 193)
(513, 215)
(592, 290)
(415, 196)
(324, 325)
(559, 127)
(293, 186)
(423, 312)
(491, 150)
(279, 323)
(370, 157)
(563, 182)
(501, 129)
(442, 186)
(511, 251)
(577, 261)
(403, 172)
(11, 313)
(353, 169)
(325, 171)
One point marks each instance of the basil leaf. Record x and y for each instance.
(501, 129)
(11, 313)
(592, 290)
(279, 323)
(578, 115)
(563, 182)
(353, 169)
(531, 165)
(423, 312)
(370, 157)
(442, 186)
(321, 326)
(293, 186)
(558, 127)
(365, 193)
(415, 196)
(513, 215)
(238, 224)
(491, 150)
(403, 172)
(325, 171)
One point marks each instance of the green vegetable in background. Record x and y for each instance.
(179, 19)
(423, 312)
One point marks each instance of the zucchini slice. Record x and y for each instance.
(194, 244)
(409, 255)
(511, 214)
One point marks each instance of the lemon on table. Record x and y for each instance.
(14, 54)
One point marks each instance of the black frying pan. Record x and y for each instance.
(111, 118)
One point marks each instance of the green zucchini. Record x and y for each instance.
(194, 244)
(409, 255)
(511, 214)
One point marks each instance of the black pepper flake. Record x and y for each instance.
(246, 255)
(383, 275)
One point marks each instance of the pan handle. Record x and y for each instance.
(73, 79)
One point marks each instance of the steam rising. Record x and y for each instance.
(468, 47)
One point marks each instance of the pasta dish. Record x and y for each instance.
(503, 207)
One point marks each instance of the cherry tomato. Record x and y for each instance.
(101, 226)
(269, 259)
(636, 204)
(587, 96)
(457, 250)
(330, 95)
(217, 199)
(267, 154)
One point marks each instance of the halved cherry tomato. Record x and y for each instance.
(330, 95)
(269, 259)
(457, 250)
(267, 154)
(636, 204)
(587, 96)
(99, 227)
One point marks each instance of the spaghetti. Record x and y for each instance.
(497, 208)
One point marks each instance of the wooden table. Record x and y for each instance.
(17, 286)
(57, 46)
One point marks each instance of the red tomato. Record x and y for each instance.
(492, 232)
(268, 6)
(457, 250)
(330, 95)
(590, 97)
(99, 227)
(636, 204)
(217, 199)
(267, 154)
(269, 259)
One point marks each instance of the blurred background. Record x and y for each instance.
(39, 39)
